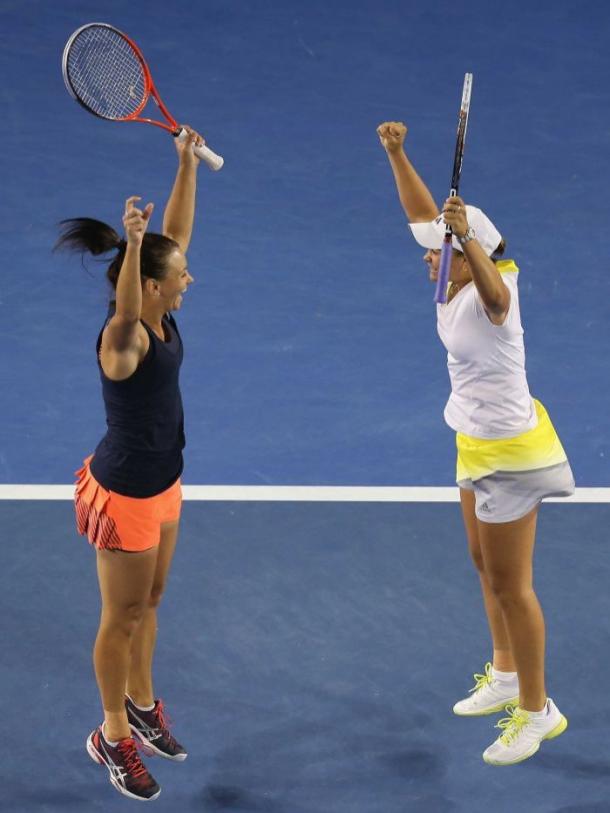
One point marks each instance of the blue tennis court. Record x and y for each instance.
(311, 647)
(310, 654)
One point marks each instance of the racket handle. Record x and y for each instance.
(440, 295)
(214, 161)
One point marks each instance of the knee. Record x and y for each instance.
(124, 619)
(507, 592)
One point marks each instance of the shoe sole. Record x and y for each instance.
(97, 757)
(555, 732)
(492, 710)
(152, 750)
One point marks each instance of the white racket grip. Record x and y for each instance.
(214, 161)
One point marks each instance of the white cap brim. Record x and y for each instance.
(432, 234)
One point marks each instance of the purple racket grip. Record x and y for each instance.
(440, 295)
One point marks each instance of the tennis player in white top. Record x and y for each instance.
(509, 456)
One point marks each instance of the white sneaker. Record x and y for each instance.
(523, 734)
(488, 695)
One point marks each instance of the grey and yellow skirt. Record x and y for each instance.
(510, 476)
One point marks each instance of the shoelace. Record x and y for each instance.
(483, 680)
(512, 725)
(163, 721)
(128, 748)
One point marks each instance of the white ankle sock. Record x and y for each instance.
(110, 743)
(537, 715)
(144, 708)
(504, 677)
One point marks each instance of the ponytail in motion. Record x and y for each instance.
(85, 234)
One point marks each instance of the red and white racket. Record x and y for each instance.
(105, 72)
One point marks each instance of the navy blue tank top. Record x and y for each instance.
(141, 453)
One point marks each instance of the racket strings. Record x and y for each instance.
(106, 73)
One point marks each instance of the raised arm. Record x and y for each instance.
(494, 294)
(129, 283)
(123, 335)
(180, 210)
(415, 197)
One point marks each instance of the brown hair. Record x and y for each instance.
(86, 234)
(496, 255)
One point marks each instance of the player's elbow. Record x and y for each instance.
(419, 214)
(183, 240)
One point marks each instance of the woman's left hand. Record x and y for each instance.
(454, 215)
(185, 149)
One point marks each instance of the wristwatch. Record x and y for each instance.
(470, 235)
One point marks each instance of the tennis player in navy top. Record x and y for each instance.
(128, 496)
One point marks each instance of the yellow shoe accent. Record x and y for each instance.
(520, 740)
(483, 704)
(483, 680)
(512, 724)
(559, 729)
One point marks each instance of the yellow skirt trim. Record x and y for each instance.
(536, 449)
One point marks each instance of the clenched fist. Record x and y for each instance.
(392, 135)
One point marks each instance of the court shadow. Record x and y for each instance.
(232, 797)
(18, 797)
(572, 765)
(297, 766)
(415, 763)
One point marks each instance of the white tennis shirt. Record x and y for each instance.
(490, 397)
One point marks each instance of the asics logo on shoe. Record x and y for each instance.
(148, 731)
(117, 770)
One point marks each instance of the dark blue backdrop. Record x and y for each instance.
(311, 348)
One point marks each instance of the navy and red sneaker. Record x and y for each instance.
(152, 729)
(127, 772)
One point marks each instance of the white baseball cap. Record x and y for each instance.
(432, 234)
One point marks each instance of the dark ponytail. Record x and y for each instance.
(87, 235)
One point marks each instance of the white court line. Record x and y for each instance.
(296, 493)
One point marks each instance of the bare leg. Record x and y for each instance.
(125, 583)
(507, 550)
(139, 685)
(502, 656)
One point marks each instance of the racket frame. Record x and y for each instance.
(440, 295)
(213, 160)
(149, 85)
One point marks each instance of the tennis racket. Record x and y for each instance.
(106, 73)
(440, 295)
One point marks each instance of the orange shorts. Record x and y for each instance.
(111, 521)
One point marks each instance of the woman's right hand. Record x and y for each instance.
(135, 221)
(392, 135)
